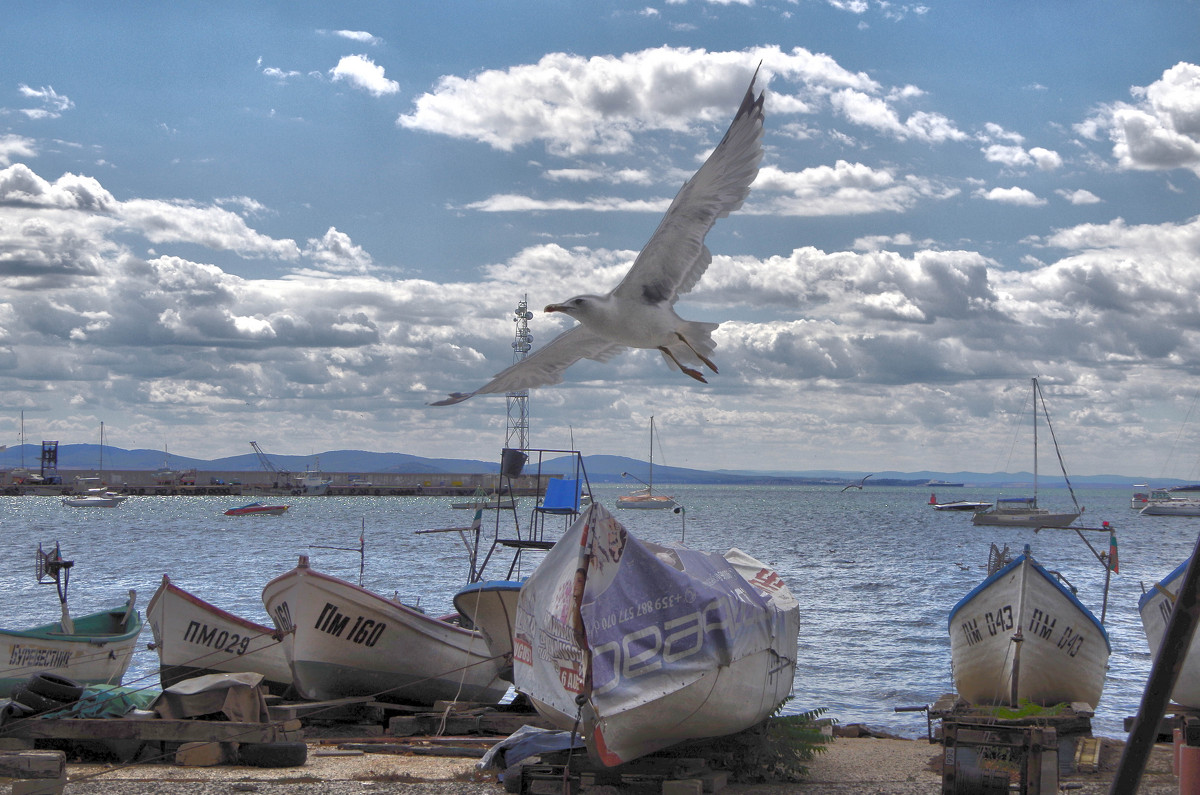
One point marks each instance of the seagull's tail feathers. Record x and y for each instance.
(695, 344)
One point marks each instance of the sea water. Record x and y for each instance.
(876, 571)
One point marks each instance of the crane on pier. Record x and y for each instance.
(283, 476)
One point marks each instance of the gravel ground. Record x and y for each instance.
(863, 766)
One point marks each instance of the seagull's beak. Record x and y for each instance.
(553, 308)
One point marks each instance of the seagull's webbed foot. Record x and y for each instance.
(699, 355)
(686, 370)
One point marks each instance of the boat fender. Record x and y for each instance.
(273, 754)
(55, 686)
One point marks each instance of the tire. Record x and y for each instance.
(35, 701)
(55, 686)
(273, 754)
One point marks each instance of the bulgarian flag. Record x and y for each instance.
(1112, 551)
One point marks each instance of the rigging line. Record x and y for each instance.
(1018, 424)
(1178, 435)
(1057, 452)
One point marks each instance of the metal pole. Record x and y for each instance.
(1171, 654)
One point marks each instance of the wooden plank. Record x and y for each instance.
(416, 750)
(154, 730)
(32, 764)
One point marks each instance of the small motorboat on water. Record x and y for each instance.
(257, 509)
(95, 498)
(958, 505)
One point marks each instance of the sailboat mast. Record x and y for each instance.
(1035, 450)
(650, 490)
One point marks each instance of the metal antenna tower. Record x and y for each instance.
(517, 436)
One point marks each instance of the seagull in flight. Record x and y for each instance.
(857, 485)
(639, 312)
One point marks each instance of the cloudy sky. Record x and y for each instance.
(298, 223)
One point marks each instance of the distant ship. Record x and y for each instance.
(943, 484)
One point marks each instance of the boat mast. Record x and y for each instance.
(650, 485)
(1035, 450)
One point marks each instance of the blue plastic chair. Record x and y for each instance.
(562, 496)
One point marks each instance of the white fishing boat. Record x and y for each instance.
(1022, 634)
(643, 646)
(347, 641)
(193, 637)
(646, 498)
(1155, 607)
(91, 649)
(1025, 511)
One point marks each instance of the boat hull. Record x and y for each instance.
(1179, 508)
(1019, 518)
(652, 502)
(97, 653)
(1062, 654)
(1155, 609)
(193, 638)
(347, 641)
(491, 608)
(662, 645)
(258, 510)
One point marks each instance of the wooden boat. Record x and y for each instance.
(646, 498)
(1021, 634)
(90, 649)
(257, 509)
(1155, 608)
(347, 641)
(1025, 511)
(643, 646)
(193, 638)
(491, 607)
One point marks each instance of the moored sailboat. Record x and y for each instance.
(646, 498)
(1025, 511)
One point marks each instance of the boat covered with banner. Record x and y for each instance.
(645, 646)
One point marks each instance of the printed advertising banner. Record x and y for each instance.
(650, 619)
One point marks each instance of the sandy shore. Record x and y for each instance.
(857, 765)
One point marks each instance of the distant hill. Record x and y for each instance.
(600, 468)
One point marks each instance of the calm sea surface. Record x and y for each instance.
(876, 571)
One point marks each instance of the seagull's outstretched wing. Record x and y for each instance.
(676, 257)
(546, 366)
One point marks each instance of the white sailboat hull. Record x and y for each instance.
(663, 645)
(347, 641)
(1023, 518)
(1062, 654)
(193, 638)
(1155, 609)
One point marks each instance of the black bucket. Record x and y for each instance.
(512, 462)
